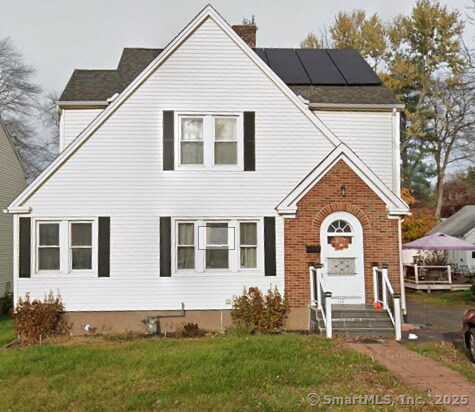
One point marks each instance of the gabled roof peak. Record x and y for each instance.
(396, 206)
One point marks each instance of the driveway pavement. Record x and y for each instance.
(444, 323)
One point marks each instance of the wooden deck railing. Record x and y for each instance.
(428, 274)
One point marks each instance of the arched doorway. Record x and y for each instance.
(341, 239)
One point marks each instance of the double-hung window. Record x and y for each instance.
(81, 246)
(186, 246)
(217, 253)
(48, 246)
(191, 141)
(210, 141)
(218, 245)
(225, 141)
(66, 246)
(248, 245)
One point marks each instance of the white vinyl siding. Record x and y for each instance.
(73, 122)
(12, 182)
(369, 135)
(118, 172)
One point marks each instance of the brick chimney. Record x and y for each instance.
(247, 32)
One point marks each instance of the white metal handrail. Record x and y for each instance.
(321, 298)
(384, 294)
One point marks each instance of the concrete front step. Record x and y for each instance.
(360, 323)
(338, 314)
(363, 332)
(355, 320)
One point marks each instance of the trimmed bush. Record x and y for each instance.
(38, 319)
(190, 330)
(258, 313)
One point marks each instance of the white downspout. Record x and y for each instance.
(401, 270)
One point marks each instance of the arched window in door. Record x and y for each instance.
(340, 234)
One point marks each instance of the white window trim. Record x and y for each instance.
(175, 242)
(234, 254)
(64, 251)
(258, 248)
(38, 246)
(209, 140)
(231, 255)
(93, 247)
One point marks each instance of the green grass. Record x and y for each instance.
(6, 330)
(449, 354)
(462, 298)
(215, 373)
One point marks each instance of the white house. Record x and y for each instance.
(12, 182)
(193, 171)
(462, 225)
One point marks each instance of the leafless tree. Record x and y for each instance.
(23, 108)
(451, 130)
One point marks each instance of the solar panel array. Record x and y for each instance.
(319, 66)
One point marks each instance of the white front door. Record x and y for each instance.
(341, 240)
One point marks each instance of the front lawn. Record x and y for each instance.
(219, 373)
(6, 330)
(461, 298)
(449, 354)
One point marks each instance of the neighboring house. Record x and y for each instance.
(462, 226)
(196, 170)
(12, 182)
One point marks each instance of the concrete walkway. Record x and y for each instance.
(445, 385)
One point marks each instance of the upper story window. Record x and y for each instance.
(191, 141)
(225, 141)
(210, 141)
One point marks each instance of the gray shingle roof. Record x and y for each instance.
(459, 224)
(346, 94)
(99, 85)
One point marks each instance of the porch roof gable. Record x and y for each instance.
(396, 206)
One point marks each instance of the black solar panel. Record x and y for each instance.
(287, 66)
(354, 67)
(320, 67)
(262, 54)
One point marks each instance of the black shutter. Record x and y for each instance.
(25, 247)
(168, 140)
(165, 246)
(104, 247)
(269, 246)
(249, 141)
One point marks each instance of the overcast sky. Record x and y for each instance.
(57, 36)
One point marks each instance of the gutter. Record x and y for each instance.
(356, 106)
(83, 104)
(17, 210)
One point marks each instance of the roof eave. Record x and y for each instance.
(357, 106)
(70, 104)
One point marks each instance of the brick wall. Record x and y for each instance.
(247, 32)
(380, 234)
